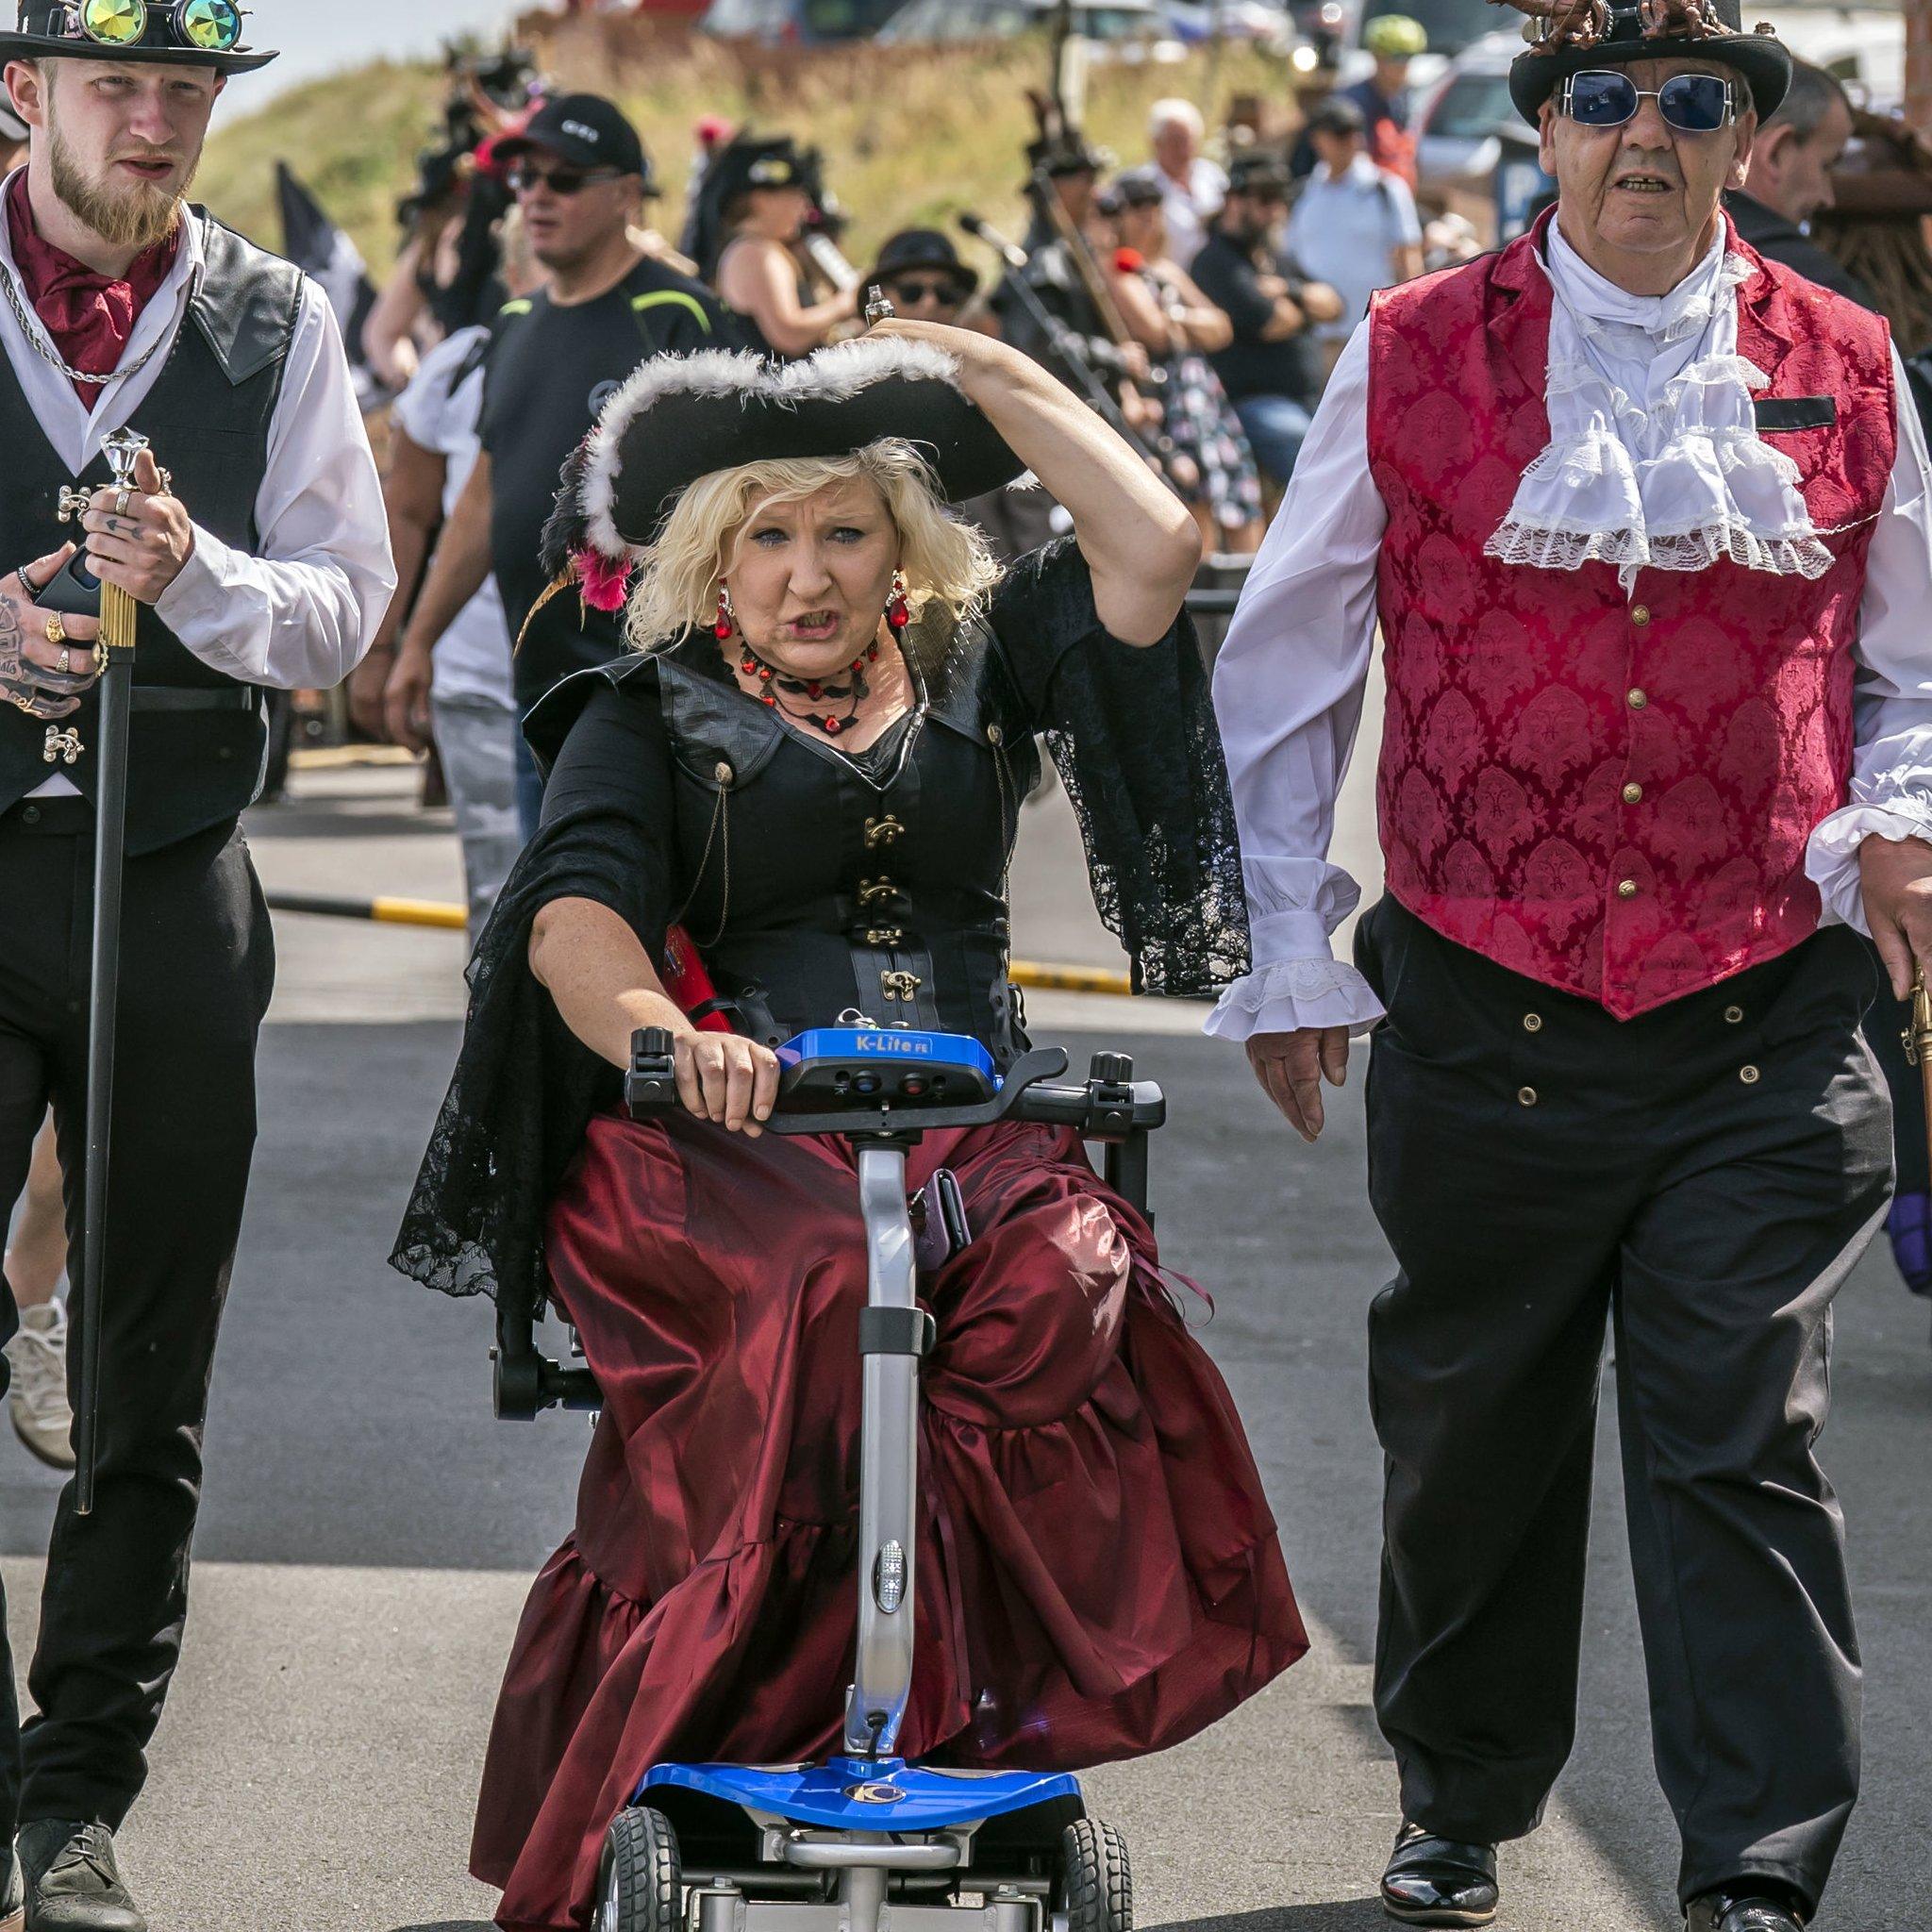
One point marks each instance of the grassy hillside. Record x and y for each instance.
(908, 136)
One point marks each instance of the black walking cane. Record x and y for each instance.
(116, 686)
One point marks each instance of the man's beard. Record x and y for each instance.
(137, 216)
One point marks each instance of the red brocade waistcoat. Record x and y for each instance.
(1609, 794)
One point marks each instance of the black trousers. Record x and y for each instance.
(197, 965)
(1702, 1178)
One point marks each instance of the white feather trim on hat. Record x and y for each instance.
(831, 374)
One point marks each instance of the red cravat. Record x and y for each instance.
(90, 316)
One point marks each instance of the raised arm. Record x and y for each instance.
(1140, 542)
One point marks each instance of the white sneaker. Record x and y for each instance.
(38, 1400)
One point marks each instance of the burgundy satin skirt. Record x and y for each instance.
(1098, 1572)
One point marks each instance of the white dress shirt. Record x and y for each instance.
(1189, 206)
(1290, 681)
(302, 611)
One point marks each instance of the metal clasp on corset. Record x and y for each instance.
(61, 745)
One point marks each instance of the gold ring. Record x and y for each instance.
(56, 628)
(66, 660)
(121, 499)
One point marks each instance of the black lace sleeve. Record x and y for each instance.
(1133, 734)
(525, 1087)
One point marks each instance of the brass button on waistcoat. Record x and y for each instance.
(1637, 700)
(722, 772)
(1626, 889)
(994, 735)
(1639, 614)
(1532, 1023)
(1525, 1096)
(1633, 794)
(1749, 1075)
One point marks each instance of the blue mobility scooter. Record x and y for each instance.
(866, 1841)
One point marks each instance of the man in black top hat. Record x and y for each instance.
(265, 565)
(1270, 370)
(578, 172)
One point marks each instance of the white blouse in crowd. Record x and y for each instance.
(301, 611)
(1641, 391)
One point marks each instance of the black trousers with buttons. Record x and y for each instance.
(1698, 1181)
(196, 967)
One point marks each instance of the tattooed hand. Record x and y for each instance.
(30, 673)
(142, 547)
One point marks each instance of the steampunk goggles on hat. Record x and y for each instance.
(206, 26)
(1689, 103)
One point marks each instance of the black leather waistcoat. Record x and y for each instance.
(812, 891)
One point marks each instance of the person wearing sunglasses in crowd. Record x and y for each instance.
(580, 173)
(1637, 513)
(262, 562)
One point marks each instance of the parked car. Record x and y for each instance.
(1459, 117)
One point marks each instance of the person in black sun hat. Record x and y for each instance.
(814, 760)
(260, 563)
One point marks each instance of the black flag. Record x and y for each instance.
(316, 245)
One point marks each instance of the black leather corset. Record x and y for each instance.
(812, 890)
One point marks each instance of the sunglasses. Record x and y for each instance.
(1691, 103)
(522, 178)
(917, 288)
(208, 26)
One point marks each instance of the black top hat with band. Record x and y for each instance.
(1611, 33)
(683, 417)
(172, 33)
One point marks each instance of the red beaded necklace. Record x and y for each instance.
(775, 687)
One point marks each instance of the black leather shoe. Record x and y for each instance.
(1754, 1907)
(1436, 1881)
(72, 1882)
(13, 1896)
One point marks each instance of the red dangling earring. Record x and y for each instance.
(724, 626)
(897, 615)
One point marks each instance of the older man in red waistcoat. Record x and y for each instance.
(1645, 523)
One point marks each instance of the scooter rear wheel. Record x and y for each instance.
(1095, 1891)
(639, 1885)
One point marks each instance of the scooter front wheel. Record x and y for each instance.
(1095, 1887)
(639, 1884)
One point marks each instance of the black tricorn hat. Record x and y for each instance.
(683, 417)
(49, 28)
(1611, 33)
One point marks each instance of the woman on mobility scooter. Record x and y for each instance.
(814, 767)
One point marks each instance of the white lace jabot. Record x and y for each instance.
(1654, 459)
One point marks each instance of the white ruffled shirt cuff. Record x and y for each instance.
(1831, 856)
(1297, 982)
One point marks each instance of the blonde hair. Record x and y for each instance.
(946, 562)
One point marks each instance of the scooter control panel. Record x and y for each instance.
(864, 1067)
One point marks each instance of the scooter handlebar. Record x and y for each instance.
(1112, 1105)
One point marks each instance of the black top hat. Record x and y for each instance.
(1609, 33)
(1135, 188)
(682, 417)
(753, 161)
(52, 27)
(912, 249)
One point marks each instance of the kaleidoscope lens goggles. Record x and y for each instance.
(207, 26)
(1691, 103)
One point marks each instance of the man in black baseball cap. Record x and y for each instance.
(578, 172)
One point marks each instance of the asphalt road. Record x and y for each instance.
(369, 1529)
